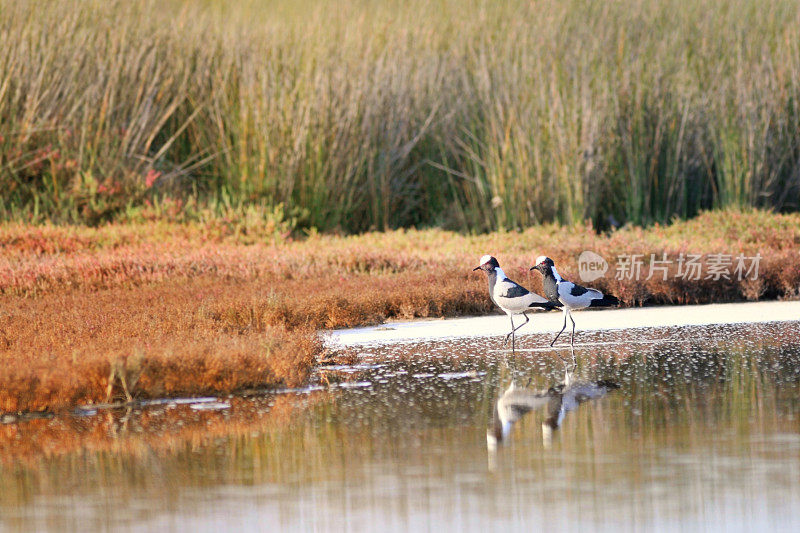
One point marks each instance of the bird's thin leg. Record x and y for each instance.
(514, 329)
(526, 321)
(572, 340)
(510, 334)
(562, 329)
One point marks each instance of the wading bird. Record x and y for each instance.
(570, 295)
(512, 298)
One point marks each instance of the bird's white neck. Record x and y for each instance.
(500, 274)
(556, 274)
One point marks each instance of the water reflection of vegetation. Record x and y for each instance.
(731, 384)
(423, 419)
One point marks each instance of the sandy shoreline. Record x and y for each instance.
(608, 319)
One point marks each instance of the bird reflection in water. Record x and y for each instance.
(558, 400)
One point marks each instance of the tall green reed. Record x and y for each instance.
(374, 114)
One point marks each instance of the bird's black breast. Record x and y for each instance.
(492, 281)
(550, 288)
(518, 411)
(577, 290)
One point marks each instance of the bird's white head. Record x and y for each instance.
(544, 264)
(487, 263)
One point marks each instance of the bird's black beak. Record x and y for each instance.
(476, 268)
(535, 267)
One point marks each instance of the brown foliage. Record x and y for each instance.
(161, 309)
(158, 340)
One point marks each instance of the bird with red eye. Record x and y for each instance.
(569, 295)
(511, 297)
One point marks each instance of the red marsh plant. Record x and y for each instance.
(162, 309)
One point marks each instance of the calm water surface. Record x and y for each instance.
(669, 429)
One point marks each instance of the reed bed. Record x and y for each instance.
(133, 311)
(470, 115)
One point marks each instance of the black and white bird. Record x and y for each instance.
(559, 399)
(512, 298)
(570, 295)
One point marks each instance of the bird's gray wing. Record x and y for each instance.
(582, 392)
(575, 294)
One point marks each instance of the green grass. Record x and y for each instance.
(471, 115)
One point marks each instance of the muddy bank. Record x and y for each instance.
(607, 319)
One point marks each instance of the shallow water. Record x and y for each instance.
(690, 428)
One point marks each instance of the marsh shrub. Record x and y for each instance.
(164, 309)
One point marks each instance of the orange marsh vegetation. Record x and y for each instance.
(147, 310)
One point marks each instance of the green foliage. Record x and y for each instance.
(364, 114)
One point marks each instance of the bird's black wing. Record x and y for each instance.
(577, 290)
(511, 289)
